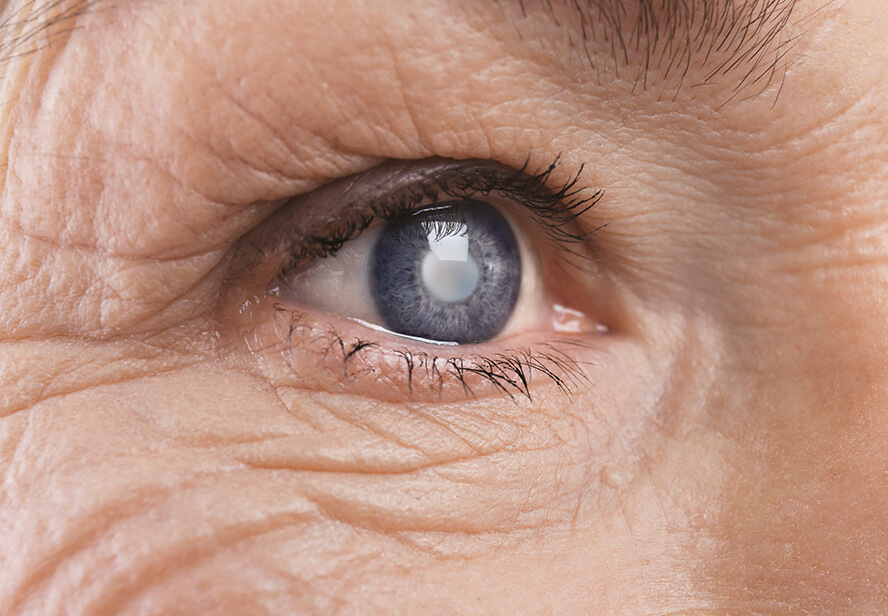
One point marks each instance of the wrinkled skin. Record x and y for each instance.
(727, 453)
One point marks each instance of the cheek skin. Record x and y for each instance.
(167, 482)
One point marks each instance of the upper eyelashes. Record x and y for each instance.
(342, 210)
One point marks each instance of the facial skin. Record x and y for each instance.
(164, 449)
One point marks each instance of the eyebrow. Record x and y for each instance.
(746, 40)
(36, 24)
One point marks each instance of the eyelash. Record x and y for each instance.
(508, 372)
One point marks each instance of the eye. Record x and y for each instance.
(431, 277)
(446, 273)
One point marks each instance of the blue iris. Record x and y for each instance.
(450, 273)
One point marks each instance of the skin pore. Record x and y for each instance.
(174, 439)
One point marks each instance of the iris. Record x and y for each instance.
(451, 273)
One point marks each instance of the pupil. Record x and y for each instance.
(449, 273)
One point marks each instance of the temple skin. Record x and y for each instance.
(162, 451)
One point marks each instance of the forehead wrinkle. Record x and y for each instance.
(709, 39)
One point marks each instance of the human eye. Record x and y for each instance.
(432, 277)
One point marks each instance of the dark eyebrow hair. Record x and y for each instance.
(36, 24)
(710, 39)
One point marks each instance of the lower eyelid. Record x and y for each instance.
(291, 348)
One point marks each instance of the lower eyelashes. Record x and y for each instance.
(317, 354)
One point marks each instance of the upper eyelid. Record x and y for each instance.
(348, 205)
(337, 200)
(342, 199)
